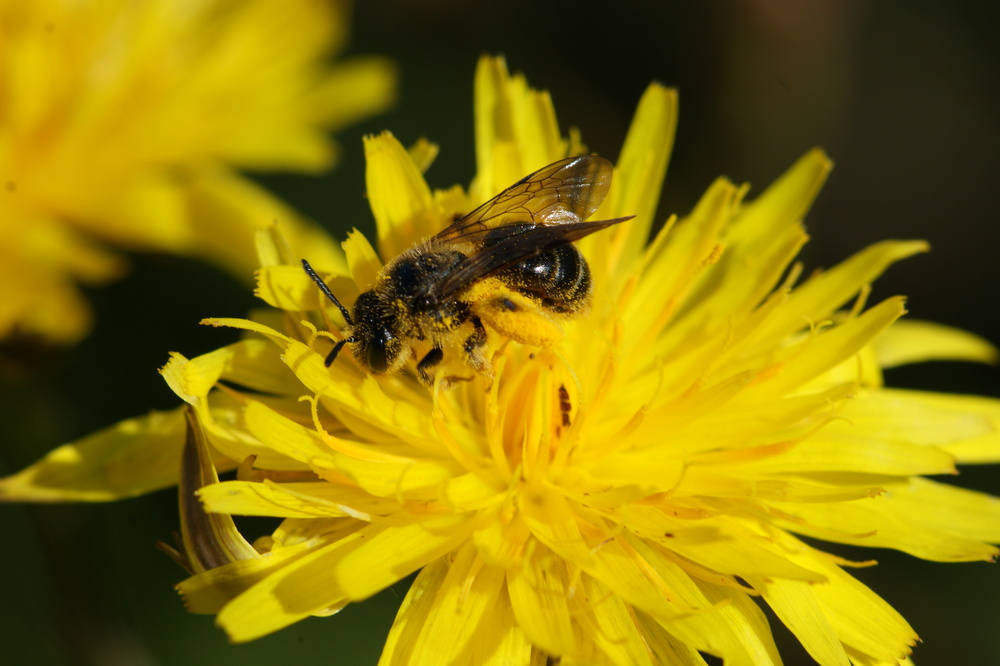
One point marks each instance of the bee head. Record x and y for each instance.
(374, 340)
(372, 333)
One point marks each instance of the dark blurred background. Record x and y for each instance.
(902, 94)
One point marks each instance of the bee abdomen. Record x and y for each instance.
(559, 279)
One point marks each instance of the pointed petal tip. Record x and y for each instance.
(174, 359)
(372, 140)
(820, 157)
(668, 93)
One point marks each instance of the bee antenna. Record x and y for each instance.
(332, 356)
(329, 294)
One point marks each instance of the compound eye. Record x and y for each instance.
(376, 358)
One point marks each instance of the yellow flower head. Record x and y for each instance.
(120, 120)
(630, 495)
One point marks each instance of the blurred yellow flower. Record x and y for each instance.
(121, 121)
(630, 496)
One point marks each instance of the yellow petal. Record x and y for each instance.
(673, 272)
(835, 614)
(784, 203)
(283, 441)
(390, 555)
(39, 302)
(551, 521)
(637, 182)
(130, 458)
(286, 287)
(696, 406)
(965, 514)
(667, 648)
(357, 88)
(253, 364)
(664, 572)
(462, 606)
(852, 610)
(423, 153)
(734, 425)
(967, 427)
(821, 295)
(613, 634)
(388, 477)
(496, 642)
(797, 607)
(211, 590)
(271, 245)
(411, 619)
(810, 358)
(629, 577)
(293, 500)
(841, 448)
(501, 544)
(735, 630)
(917, 516)
(362, 260)
(912, 341)
(737, 549)
(502, 641)
(724, 297)
(307, 365)
(303, 584)
(539, 593)
(149, 212)
(641, 468)
(516, 129)
(401, 202)
(471, 492)
(231, 208)
(192, 379)
(862, 370)
(39, 261)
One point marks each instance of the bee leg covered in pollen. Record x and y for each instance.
(475, 343)
(518, 316)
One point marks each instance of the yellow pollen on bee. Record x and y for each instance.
(514, 315)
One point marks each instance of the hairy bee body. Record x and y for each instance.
(508, 266)
(401, 307)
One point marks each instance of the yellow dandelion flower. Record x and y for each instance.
(122, 119)
(631, 495)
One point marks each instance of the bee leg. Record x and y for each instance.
(431, 359)
(474, 344)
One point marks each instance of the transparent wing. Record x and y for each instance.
(564, 192)
(511, 250)
(536, 214)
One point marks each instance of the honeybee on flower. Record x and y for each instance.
(507, 266)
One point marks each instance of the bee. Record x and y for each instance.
(509, 266)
